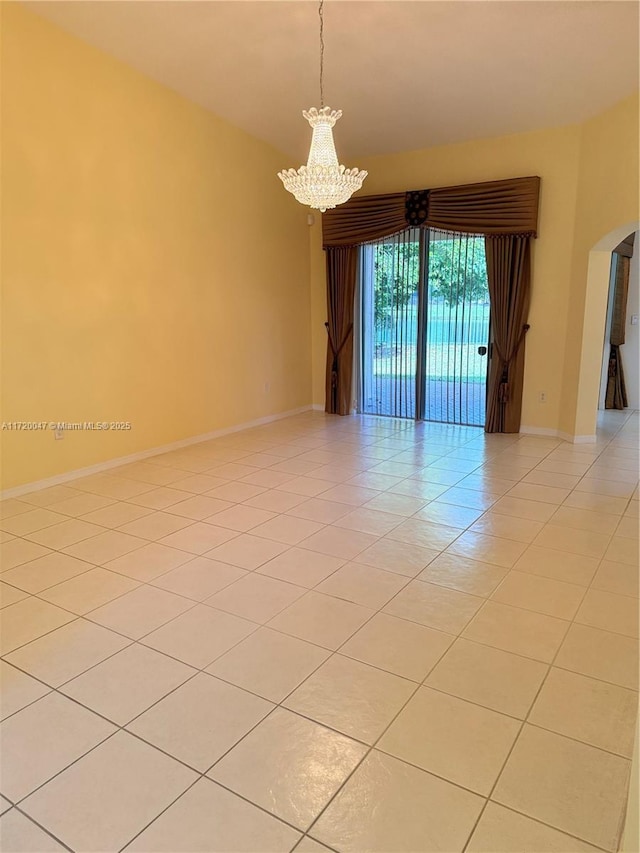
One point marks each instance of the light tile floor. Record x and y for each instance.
(350, 634)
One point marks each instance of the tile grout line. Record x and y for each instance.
(40, 826)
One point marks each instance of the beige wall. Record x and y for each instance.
(581, 198)
(154, 270)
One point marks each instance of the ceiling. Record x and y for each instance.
(407, 75)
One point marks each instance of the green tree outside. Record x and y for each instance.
(457, 271)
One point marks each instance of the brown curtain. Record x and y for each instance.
(508, 272)
(616, 396)
(341, 285)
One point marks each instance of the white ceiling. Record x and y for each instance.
(407, 75)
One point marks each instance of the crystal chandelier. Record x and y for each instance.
(322, 183)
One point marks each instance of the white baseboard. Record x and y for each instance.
(556, 433)
(543, 431)
(577, 439)
(580, 439)
(318, 407)
(68, 476)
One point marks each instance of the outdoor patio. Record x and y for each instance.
(447, 401)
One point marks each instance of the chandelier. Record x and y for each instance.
(322, 183)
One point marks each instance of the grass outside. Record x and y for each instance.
(444, 362)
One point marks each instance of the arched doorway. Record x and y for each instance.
(593, 329)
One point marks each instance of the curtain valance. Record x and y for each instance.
(492, 208)
(361, 220)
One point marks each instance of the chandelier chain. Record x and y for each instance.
(321, 15)
(323, 183)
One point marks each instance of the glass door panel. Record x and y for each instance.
(389, 277)
(456, 329)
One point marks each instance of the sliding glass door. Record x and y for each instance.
(424, 327)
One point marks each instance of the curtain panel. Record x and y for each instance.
(342, 263)
(616, 393)
(508, 274)
(496, 209)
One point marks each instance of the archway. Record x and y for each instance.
(593, 329)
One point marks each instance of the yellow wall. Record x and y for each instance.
(589, 186)
(154, 270)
